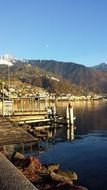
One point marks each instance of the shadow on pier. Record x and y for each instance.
(11, 133)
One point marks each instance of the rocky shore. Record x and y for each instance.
(45, 177)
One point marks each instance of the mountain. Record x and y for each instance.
(60, 68)
(55, 76)
(101, 67)
(35, 76)
(6, 60)
(89, 78)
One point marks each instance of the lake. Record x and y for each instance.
(87, 153)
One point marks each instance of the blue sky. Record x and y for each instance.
(64, 30)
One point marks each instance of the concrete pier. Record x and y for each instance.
(10, 133)
(11, 178)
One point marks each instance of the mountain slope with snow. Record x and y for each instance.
(7, 60)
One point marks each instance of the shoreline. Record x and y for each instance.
(47, 177)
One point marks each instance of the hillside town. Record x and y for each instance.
(25, 90)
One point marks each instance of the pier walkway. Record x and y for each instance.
(11, 178)
(27, 119)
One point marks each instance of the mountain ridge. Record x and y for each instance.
(69, 74)
(35, 76)
(89, 78)
(101, 67)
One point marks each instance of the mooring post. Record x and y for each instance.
(71, 115)
(70, 132)
(67, 114)
(70, 122)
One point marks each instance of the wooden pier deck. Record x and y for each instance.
(29, 119)
(11, 133)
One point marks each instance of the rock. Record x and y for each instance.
(32, 163)
(77, 187)
(26, 162)
(18, 155)
(69, 174)
(44, 169)
(30, 168)
(53, 167)
(31, 175)
(8, 153)
(60, 178)
(64, 186)
(46, 177)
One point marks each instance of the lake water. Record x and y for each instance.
(87, 153)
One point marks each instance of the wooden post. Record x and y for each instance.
(67, 114)
(70, 114)
(70, 132)
(70, 122)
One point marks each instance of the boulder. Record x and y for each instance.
(47, 177)
(60, 178)
(26, 162)
(53, 167)
(31, 175)
(30, 168)
(69, 174)
(32, 163)
(17, 155)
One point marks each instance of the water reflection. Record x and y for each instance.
(90, 117)
(70, 132)
(55, 135)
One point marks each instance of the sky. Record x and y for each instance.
(63, 30)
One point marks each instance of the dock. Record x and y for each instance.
(13, 127)
(29, 119)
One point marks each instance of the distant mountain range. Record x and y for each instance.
(57, 76)
(22, 70)
(101, 67)
(91, 79)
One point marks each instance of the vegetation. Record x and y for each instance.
(37, 77)
(91, 79)
(57, 77)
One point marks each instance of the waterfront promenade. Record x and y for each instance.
(11, 178)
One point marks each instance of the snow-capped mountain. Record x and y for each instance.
(7, 60)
